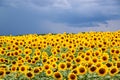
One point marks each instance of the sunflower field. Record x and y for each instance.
(61, 56)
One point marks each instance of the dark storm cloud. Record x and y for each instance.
(30, 16)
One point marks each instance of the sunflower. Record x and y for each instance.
(72, 50)
(29, 74)
(40, 68)
(117, 51)
(19, 57)
(97, 53)
(89, 64)
(72, 76)
(112, 51)
(105, 57)
(86, 44)
(68, 59)
(78, 60)
(46, 66)
(98, 64)
(13, 68)
(2, 73)
(2, 52)
(20, 51)
(115, 58)
(118, 64)
(105, 43)
(14, 62)
(33, 61)
(100, 45)
(70, 46)
(36, 58)
(69, 65)
(9, 48)
(67, 54)
(81, 48)
(62, 66)
(23, 68)
(104, 49)
(88, 53)
(54, 52)
(21, 43)
(2, 60)
(87, 58)
(37, 52)
(95, 60)
(54, 65)
(75, 71)
(64, 44)
(16, 53)
(27, 57)
(36, 70)
(82, 55)
(109, 64)
(57, 76)
(92, 45)
(113, 43)
(7, 72)
(113, 71)
(51, 60)
(92, 69)
(49, 72)
(102, 71)
(74, 66)
(71, 56)
(16, 48)
(82, 70)
(27, 51)
(44, 60)
(63, 55)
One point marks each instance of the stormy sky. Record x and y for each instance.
(58, 16)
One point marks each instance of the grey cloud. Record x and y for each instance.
(17, 16)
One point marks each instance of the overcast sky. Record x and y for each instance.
(58, 16)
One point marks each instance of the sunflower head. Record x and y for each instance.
(62, 66)
(82, 70)
(102, 71)
(72, 76)
(113, 71)
(29, 74)
(49, 72)
(92, 69)
(36, 70)
(57, 76)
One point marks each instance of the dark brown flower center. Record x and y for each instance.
(108, 65)
(62, 66)
(77, 60)
(82, 70)
(8, 72)
(46, 67)
(93, 69)
(22, 68)
(57, 75)
(118, 65)
(104, 58)
(72, 76)
(36, 70)
(1, 72)
(29, 74)
(48, 72)
(113, 70)
(102, 71)
(68, 65)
